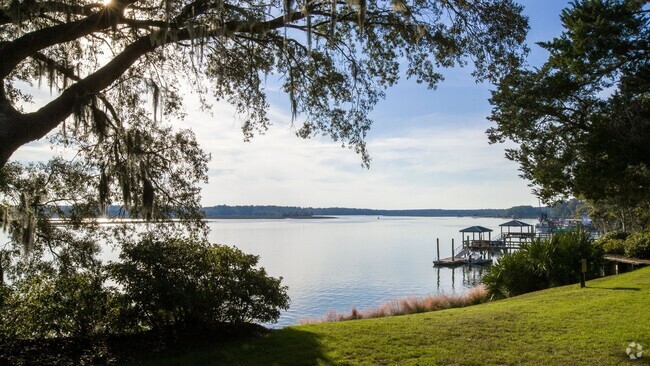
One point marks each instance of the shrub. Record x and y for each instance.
(637, 245)
(514, 274)
(66, 304)
(188, 283)
(543, 264)
(613, 242)
(566, 251)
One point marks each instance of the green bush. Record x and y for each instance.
(613, 242)
(543, 264)
(60, 305)
(637, 245)
(188, 283)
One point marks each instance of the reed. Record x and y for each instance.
(410, 305)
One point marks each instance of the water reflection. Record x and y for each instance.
(468, 275)
(354, 262)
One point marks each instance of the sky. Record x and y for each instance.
(428, 148)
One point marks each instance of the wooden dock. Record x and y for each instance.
(627, 260)
(620, 264)
(459, 261)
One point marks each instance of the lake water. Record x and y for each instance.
(353, 261)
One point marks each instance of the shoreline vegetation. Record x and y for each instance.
(408, 306)
(256, 211)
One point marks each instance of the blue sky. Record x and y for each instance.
(428, 148)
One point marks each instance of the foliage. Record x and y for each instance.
(610, 215)
(561, 326)
(171, 288)
(54, 286)
(62, 305)
(188, 283)
(613, 242)
(543, 264)
(514, 274)
(581, 120)
(567, 209)
(637, 245)
(124, 63)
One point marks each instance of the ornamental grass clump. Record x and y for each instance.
(411, 305)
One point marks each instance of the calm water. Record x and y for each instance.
(353, 261)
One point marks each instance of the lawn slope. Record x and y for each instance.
(560, 326)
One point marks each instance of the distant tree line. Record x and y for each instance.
(572, 208)
(285, 211)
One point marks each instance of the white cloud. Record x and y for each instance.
(447, 164)
(444, 165)
(425, 160)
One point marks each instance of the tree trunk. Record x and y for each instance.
(17, 129)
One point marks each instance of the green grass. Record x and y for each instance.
(560, 326)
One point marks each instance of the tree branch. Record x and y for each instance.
(23, 47)
(39, 8)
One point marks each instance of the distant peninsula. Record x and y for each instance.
(253, 211)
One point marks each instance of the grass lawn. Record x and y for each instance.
(561, 326)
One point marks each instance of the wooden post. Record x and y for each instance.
(583, 270)
(438, 248)
(452, 250)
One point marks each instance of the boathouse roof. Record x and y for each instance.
(515, 223)
(476, 229)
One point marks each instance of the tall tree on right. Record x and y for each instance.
(582, 120)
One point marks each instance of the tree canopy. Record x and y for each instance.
(108, 63)
(582, 120)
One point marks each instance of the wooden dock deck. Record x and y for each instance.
(459, 261)
(627, 260)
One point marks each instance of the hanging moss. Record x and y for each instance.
(5, 218)
(101, 122)
(104, 190)
(27, 222)
(156, 99)
(147, 198)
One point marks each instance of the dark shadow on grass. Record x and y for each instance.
(288, 346)
(277, 347)
(617, 288)
(227, 345)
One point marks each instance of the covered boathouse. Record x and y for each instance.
(478, 240)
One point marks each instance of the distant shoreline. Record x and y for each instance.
(222, 212)
(210, 218)
(273, 212)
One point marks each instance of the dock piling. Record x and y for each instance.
(438, 248)
(452, 250)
